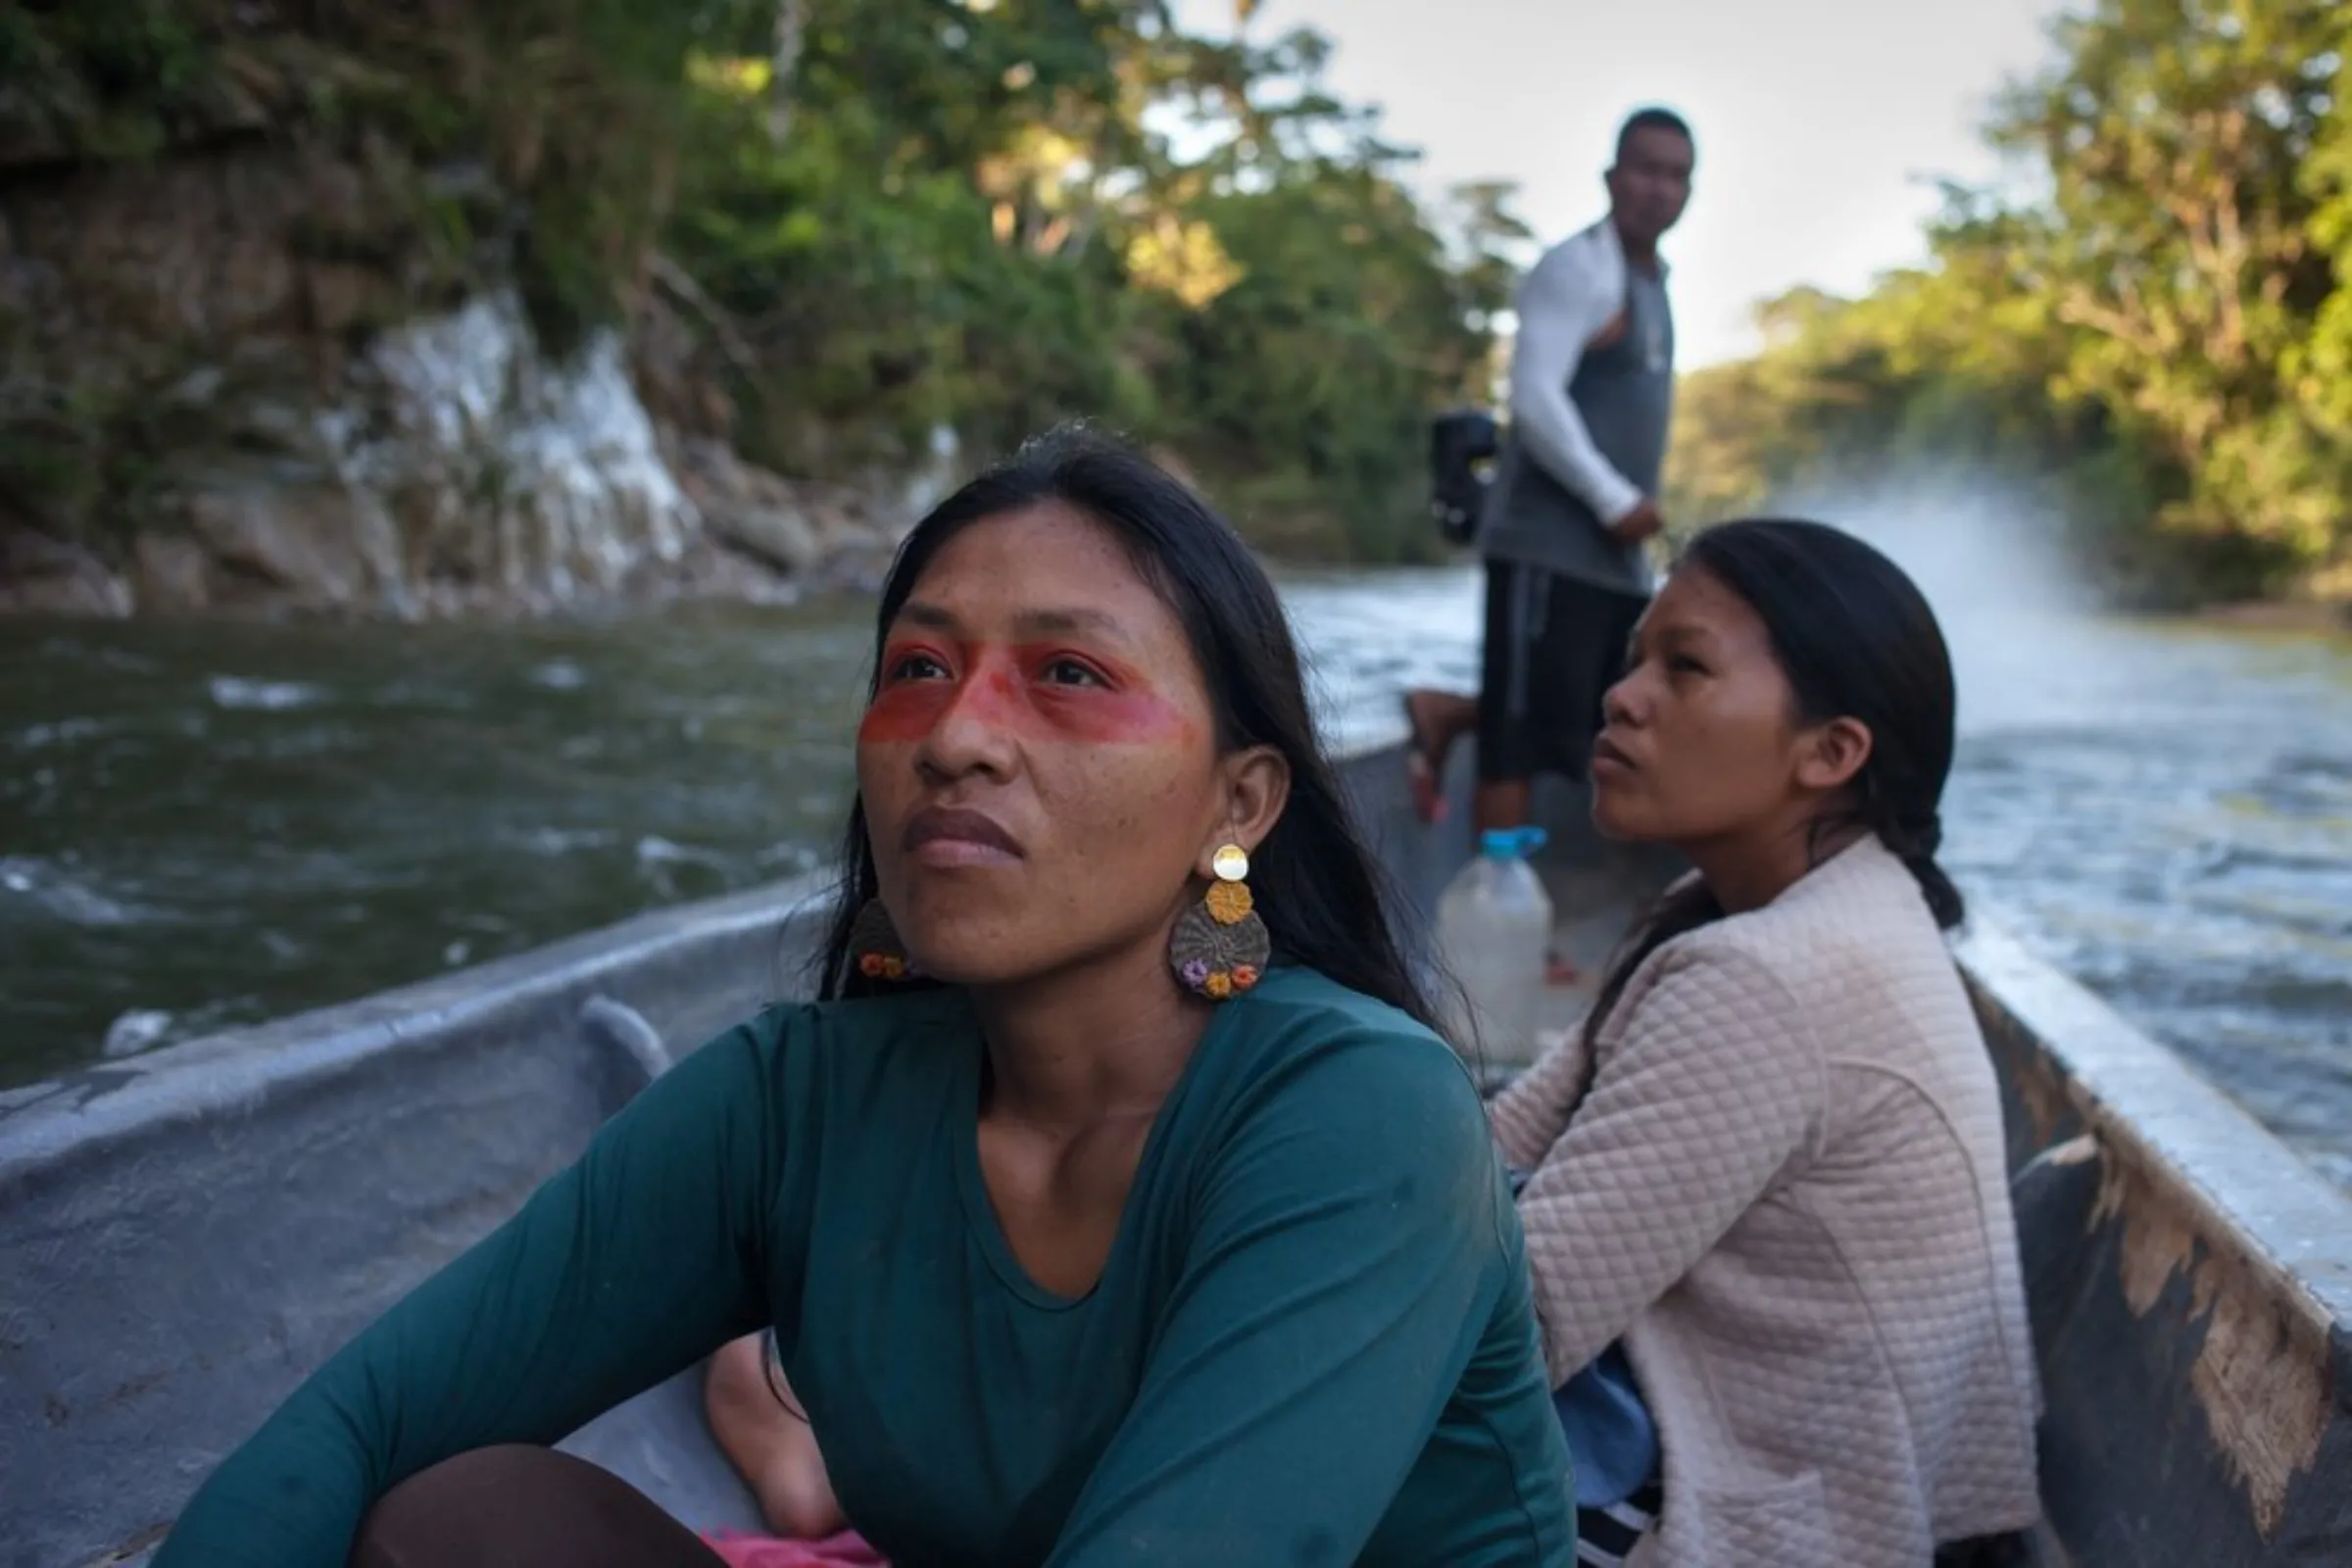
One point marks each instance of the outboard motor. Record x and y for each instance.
(1462, 445)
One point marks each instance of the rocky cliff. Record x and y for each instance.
(271, 356)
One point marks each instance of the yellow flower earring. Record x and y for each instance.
(1220, 947)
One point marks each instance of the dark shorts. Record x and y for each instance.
(1555, 644)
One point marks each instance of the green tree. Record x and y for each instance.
(866, 218)
(2182, 254)
(978, 241)
(2161, 338)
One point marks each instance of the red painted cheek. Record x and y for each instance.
(1126, 712)
(1005, 699)
(906, 713)
(1113, 718)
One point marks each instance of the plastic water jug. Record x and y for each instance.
(1494, 934)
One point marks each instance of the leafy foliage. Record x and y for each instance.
(880, 216)
(995, 217)
(2160, 338)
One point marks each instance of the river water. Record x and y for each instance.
(211, 824)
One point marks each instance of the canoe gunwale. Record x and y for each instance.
(2245, 1189)
(2190, 1285)
(46, 1127)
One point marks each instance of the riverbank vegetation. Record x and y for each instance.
(832, 230)
(869, 221)
(2146, 336)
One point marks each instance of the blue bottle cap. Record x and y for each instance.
(1510, 843)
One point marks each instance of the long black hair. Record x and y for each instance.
(1323, 897)
(1856, 639)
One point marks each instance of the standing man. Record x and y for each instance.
(1575, 492)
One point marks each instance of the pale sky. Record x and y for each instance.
(1821, 123)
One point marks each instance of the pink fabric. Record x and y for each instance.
(845, 1551)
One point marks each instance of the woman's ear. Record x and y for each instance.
(1257, 786)
(1833, 755)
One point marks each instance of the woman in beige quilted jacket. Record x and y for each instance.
(1767, 1174)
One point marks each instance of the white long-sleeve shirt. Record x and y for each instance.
(1566, 301)
(1592, 403)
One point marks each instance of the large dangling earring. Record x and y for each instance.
(874, 946)
(1220, 947)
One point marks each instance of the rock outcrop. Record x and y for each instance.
(273, 365)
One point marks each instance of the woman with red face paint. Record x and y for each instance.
(1768, 1208)
(1116, 1205)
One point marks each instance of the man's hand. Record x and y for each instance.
(1639, 523)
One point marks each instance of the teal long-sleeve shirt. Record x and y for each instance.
(1312, 1342)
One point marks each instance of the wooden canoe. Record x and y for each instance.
(185, 1234)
